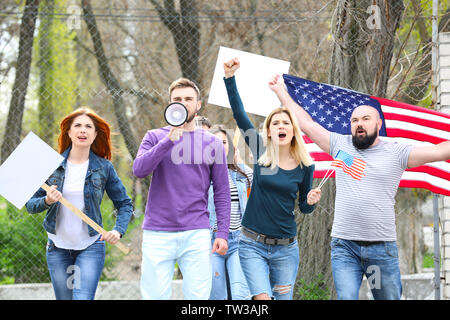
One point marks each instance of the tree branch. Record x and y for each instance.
(13, 128)
(109, 80)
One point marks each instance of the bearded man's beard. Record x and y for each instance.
(364, 141)
(191, 117)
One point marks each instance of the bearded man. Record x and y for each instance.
(363, 236)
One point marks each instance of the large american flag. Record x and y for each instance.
(332, 106)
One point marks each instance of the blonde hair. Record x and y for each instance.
(297, 148)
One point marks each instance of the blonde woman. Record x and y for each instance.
(268, 248)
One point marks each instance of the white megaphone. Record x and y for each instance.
(175, 114)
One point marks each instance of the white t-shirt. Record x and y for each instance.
(71, 231)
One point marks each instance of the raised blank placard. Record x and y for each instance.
(26, 169)
(252, 80)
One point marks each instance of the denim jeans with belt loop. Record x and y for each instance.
(350, 261)
(75, 273)
(270, 269)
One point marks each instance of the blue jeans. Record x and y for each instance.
(75, 273)
(162, 249)
(227, 268)
(379, 262)
(269, 269)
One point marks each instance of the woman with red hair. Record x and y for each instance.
(75, 251)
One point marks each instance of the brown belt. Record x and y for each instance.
(265, 239)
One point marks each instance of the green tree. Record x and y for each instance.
(56, 61)
(22, 249)
(411, 70)
(13, 128)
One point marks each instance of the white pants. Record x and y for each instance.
(191, 249)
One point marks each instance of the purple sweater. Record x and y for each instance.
(182, 173)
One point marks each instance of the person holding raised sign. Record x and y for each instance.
(75, 251)
(268, 248)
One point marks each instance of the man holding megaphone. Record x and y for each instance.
(183, 161)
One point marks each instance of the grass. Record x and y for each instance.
(428, 260)
(314, 290)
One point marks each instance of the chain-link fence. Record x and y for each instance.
(119, 57)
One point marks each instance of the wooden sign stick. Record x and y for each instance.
(86, 219)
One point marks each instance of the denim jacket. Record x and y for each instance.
(100, 176)
(241, 185)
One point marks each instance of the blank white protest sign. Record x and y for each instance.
(26, 169)
(252, 80)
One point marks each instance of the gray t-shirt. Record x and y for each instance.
(364, 209)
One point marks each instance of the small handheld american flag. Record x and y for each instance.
(349, 164)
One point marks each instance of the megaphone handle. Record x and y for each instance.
(86, 219)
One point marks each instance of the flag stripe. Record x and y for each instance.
(359, 163)
(356, 173)
(320, 156)
(306, 139)
(351, 173)
(430, 180)
(417, 128)
(320, 174)
(434, 171)
(404, 108)
(420, 115)
(414, 135)
(423, 122)
(442, 165)
(323, 166)
(421, 176)
(424, 185)
(345, 169)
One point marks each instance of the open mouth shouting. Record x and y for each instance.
(281, 135)
(360, 131)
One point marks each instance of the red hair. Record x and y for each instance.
(102, 144)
